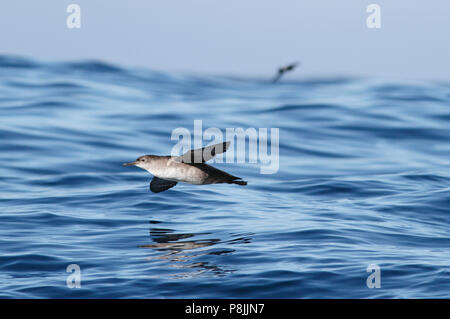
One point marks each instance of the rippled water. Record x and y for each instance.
(363, 179)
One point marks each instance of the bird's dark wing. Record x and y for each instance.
(160, 185)
(292, 66)
(202, 155)
(277, 77)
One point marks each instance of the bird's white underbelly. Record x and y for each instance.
(180, 173)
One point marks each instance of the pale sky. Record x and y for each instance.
(238, 37)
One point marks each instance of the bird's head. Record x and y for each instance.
(143, 162)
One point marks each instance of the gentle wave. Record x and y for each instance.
(363, 179)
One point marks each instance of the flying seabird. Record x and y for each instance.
(189, 168)
(283, 70)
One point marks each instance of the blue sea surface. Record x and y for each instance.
(364, 178)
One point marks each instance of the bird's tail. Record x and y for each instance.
(243, 183)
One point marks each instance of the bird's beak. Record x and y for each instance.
(129, 164)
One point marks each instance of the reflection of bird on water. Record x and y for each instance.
(285, 69)
(175, 246)
(178, 250)
(166, 239)
(181, 253)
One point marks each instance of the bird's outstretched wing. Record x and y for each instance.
(202, 155)
(160, 185)
(291, 66)
(277, 77)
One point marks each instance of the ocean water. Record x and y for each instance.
(363, 179)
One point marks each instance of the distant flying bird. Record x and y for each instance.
(189, 168)
(283, 70)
